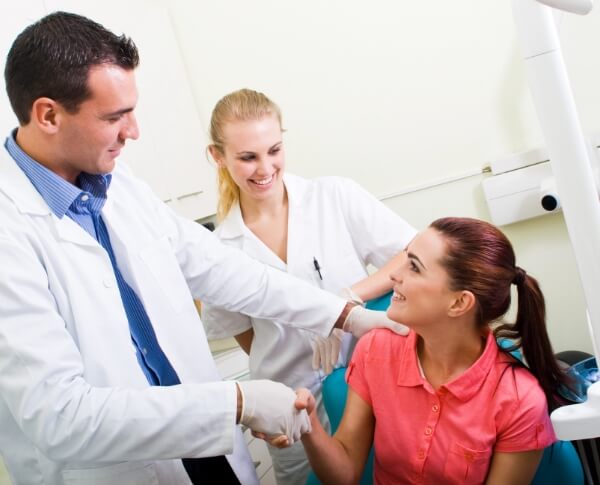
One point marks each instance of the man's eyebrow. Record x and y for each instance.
(116, 113)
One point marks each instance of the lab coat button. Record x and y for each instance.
(107, 282)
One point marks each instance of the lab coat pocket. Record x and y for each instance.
(162, 263)
(127, 473)
(465, 465)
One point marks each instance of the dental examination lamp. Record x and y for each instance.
(573, 176)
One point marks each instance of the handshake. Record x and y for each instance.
(269, 409)
(274, 411)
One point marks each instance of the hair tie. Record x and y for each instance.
(519, 277)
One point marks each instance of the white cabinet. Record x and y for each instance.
(170, 153)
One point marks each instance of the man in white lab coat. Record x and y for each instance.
(105, 372)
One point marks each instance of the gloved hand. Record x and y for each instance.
(327, 350)
(360, 320)
(268, 408)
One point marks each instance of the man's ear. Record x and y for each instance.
(217, 155)
(462, 303)
(45, 113)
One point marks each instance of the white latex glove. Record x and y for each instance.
(268, 407)
(327, 350)
(360, 320)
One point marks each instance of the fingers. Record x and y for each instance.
(304, 400)
(398, 328)
(278, 441)
(336, 342)
(319, 352)
(258, 434)
(326, 357)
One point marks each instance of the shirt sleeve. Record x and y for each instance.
(220, 323)
(526, 424)
(378, 232)
(356, 375)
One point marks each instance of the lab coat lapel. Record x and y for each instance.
(233, 227)
(15, 184)
(69, 231)
(302, 244)
(17, 187)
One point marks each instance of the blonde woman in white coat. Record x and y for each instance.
(325, 231)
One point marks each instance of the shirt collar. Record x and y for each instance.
(56, 191)
(464, 386)
(233, 225)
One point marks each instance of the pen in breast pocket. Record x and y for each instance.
(317, 267)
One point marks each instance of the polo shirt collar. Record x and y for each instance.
(408, 374)
(464, 386)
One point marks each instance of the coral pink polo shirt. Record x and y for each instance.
(449, 435)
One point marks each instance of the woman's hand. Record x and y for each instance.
(278, 441)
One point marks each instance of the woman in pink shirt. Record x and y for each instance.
(445, 404)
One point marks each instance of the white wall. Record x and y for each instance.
(396, 94)
(399, 94)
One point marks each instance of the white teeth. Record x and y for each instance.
(264, 181)
(398, 296)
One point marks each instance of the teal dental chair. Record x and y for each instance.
(560, 463)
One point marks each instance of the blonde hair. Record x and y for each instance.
(242, 105)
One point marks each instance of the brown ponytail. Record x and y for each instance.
(531, 335)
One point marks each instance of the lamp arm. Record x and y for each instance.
(580, 7)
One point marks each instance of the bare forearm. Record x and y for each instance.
(245, 339)
(379, 283)
(515, 468)
(328, 457)
(240, 403)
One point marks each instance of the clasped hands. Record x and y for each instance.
(274, 412)
(270, 410)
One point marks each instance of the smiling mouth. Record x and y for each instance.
(265, 181)
(398, 296)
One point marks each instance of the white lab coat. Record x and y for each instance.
(75, 407)
(345, 228)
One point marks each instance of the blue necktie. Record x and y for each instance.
(156, 366)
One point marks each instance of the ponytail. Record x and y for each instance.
(530, 334)
(480, 258)
(229, 193)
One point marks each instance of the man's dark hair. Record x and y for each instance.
(52, 58)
